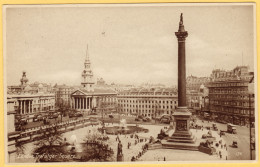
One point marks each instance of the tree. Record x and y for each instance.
(96, 148)
(50, 148)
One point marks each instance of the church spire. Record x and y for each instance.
(87, 56)
(87, 74)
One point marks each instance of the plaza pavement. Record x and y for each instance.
(150, 155)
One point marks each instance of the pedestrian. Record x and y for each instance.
(164, 159)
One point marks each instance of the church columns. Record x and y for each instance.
(90, 103)
(29, 106)
(82, 103)
(85, 102)
(76, 103)
(23, 106)
(79, 103)
(20, 106)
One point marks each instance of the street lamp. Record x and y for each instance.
(250, 92)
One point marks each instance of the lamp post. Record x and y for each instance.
(250, 126)
(250, 91)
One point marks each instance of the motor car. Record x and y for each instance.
(93, 119)
(140, 117)
(137, 119)
(231, 128)
(79, 114)
(37, 117)
(234, 144)
(23, 121)
(214, 126)
(165, 120)
(71, 114)
(111, 116)
(222, 133)
(52, 115)
(146, 119)
(55, 115)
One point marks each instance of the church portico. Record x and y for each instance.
(82, 103)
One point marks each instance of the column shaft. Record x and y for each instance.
(29, 106)
(23, 106)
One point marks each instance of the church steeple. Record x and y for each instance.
(87, 61)
(87, 74)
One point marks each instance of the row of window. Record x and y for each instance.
(232, 110)
(232, 103)
(142, 111)
(145, 106)
(228, 84)
(235, 97)
(146, 101)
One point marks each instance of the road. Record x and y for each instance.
(242, 138)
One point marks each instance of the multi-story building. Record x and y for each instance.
(30, 100)
(196, 88)
(194, 83)
(229, 97)
(89, 98)
(63, 95)
(148, 102)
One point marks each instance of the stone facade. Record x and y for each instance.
(63, 95)
(32, 98)
(148, 102)
(90, 97)
(229, 96)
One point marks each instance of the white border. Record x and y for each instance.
(132, 5)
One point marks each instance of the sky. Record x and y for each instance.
(127, 44)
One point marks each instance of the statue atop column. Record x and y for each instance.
(181, 26)
(181, 20)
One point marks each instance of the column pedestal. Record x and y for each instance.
(182, 137)
(182, 132)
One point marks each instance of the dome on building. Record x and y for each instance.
(24, 80)
(40, 86)
(27, 88)
(202, 86)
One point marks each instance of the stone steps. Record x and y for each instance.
(181, 140)
(181, 147)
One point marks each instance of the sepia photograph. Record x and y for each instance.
(130, 83)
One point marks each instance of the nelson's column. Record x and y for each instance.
(182, 138)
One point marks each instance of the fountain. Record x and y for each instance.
(122, 129)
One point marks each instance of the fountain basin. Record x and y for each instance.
(115, 130)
